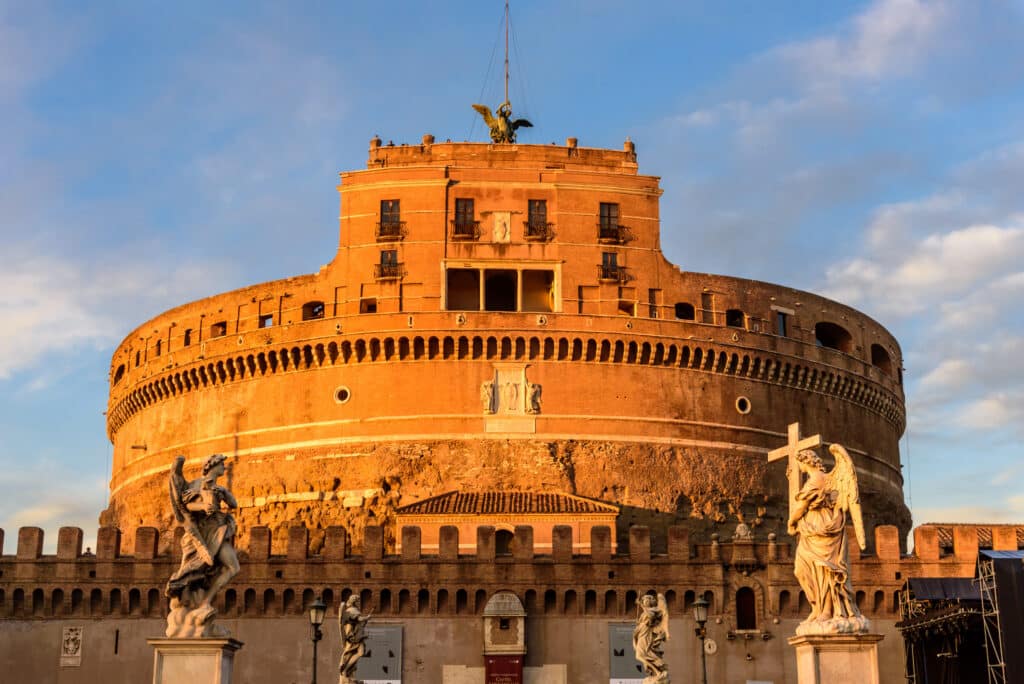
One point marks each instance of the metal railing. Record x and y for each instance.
(464, 229)
(390, 230)
(611, 233)
(387, 271)
(537, 230)
(612, 273)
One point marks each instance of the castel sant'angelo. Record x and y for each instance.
(501, 317)
(498, 387)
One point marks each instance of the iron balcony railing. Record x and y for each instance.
(465, 229)
(387, 271)
(538, 230)
(390, 230)
(612, 273)
(608, 232)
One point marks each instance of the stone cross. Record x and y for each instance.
(789, 452)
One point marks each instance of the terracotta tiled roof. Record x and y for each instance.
(945, 534)
(484, 503)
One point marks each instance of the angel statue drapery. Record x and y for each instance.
(822, 567)
(208, 559)
(649, 637)
(502, 126)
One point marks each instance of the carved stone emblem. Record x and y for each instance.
(71, 647)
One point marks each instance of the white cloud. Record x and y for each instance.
(997, 410)
(890, 38)
(54, 304)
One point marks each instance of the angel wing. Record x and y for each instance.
(521, 123)
(176, 487)
(485, 111)
(844, 479)
(663, 607)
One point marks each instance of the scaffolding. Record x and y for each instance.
(909, 608)
(990, 619)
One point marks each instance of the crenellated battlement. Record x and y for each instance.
(605, 582)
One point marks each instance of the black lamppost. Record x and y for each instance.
(700, 616)
(317, 609)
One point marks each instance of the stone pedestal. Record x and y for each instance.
(193, 661)
(828, 659)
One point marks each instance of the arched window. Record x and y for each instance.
(880, 359)
(312, 311)
(833, 336)
(746, 609)
(503, 542)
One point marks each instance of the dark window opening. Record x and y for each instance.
(537, 227)
(463, 289)
(465, 225)
(266, 320)
(219, 329)
(608, 229)
(138, 358)
(781, 327)
(734, 318)
(312, 311)
(504, 623)
(627, 307)
(388, 267)
(833, 336)
(500, 290)
(118, 374)
(503, 542)
(880, 359)
(390, 226)
(187, 337)
(609, 269)
(158, 348)
(685, 311)
(368, 305)
(652, 302)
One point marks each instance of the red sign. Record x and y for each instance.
(503, 669)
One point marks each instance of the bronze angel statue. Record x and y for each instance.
(649, 637)
(819, 515)
(503, 128)
(208, 559)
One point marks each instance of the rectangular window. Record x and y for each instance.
(389, 211)
(707, 306)
(219, 329)
(780, 324)
(389, 257)
(266, 320)
(368, 305)
(464, 211)
(537, 211)
(188, 337)
(464, 226)
(608, 228)
(463, 289)
(537, 220)
(652, 302)
(389, 266)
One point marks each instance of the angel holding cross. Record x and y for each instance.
(818, 514)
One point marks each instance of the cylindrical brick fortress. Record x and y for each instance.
(501, 317)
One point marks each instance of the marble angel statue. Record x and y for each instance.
(352, 624)
(819, 516)
(208, 559)
(649, 637)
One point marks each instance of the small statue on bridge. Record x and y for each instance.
(208, 559)
(352, 624)
(649, 637)
(819, 515)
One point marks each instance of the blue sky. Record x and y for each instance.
(152, 153)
